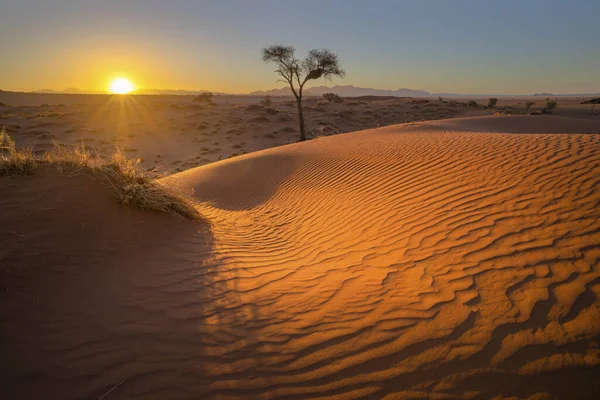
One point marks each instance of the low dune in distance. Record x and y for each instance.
(431, 260)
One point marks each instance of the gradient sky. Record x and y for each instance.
(460, 46)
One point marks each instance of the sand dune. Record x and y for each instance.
(448, 259)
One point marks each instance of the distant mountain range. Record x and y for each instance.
(69, 91)
(354, 91)
(342, 90)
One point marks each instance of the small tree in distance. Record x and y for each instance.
(205, 97)
(528, 105)
(551, 105)
(492, 101)
(317, 64)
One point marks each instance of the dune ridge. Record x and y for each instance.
(395, 251)
(432, 260)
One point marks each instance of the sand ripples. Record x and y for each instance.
(417, 261)
(396, 262)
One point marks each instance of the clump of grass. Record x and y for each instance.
(125, 179)
(132, 186)
(13, 161)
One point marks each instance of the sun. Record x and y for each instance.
(121, 86)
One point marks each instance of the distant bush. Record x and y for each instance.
(266, 101)
(205, 97)
(473, 103)
(550, 106)
(440, 98)
(333, 98)
(492, 101)
(528, 105)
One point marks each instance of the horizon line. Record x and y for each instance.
(251, 93)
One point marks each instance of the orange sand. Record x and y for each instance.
(448, 259)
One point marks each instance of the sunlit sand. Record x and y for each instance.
(299, 200)
(455, 258)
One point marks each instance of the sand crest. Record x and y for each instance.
(447, 259)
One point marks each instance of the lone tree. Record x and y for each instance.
(317, 64)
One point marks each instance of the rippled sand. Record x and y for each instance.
(449, 259)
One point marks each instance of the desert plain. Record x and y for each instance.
(413, 248)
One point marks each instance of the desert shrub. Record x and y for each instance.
(440, 98)
(6, 142)
(206, 97)
(492, 101)
(13, 161)
(267, 101)
(528, 105)
(124, 178)
(333, 98)
(133, 186)
(551, 105)
(2, 104)
(473, 103)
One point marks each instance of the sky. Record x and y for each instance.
(441, 46)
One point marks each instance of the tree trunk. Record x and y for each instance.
(301, 118)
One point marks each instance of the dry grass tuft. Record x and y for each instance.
(125, 179)
(13, 161)
(133, 186)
